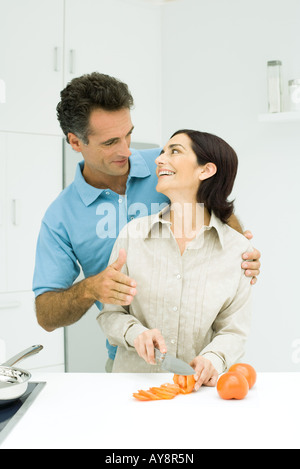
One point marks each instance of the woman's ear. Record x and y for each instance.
(207, 171)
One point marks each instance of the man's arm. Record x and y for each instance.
(56, 309)
(252, 266)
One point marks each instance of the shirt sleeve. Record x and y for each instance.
(231, 328)
(118, 325)
(56, 265)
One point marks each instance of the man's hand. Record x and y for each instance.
(144, 344)
(252, 266)
(112, 286)
(205, 373)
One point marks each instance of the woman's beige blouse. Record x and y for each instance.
(200, 301)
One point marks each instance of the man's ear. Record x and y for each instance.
(207, 171)
(75, 142)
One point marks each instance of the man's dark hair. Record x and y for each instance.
(85, 94)
(214, 191)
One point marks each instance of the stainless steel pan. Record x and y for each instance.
(14, 381)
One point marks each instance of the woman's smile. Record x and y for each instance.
(165, 172)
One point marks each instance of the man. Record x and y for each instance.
(112, 186)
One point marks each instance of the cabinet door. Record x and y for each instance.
(34, 180)
(19, 330)
(123, 39)
(3, 285)
(31, 51)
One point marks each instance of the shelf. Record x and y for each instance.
(280, 117)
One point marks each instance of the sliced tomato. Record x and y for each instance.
(185, 383)
(182, 385)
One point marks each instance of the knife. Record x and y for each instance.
(173, 364)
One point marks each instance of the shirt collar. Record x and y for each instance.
(138, 166)
(88, 193)
(215, 223)
(218, 225)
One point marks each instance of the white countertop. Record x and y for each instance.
(76, 410)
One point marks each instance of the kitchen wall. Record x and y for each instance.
(214, 79)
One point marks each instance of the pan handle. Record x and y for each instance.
(22, 355)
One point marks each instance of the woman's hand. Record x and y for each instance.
(205, 373)
(145, 343)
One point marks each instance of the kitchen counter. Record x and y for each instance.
(76, 410)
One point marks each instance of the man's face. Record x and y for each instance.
(107, 153)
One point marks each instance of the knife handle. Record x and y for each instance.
(158, 355)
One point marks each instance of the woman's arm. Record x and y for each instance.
(117, 324)
(231, 328)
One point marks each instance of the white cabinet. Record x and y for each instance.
(19, 330)
(32, 175)
(46, 43)
(30, 179)
(122, 39)
(31, 57)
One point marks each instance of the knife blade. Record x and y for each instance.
(173, 364)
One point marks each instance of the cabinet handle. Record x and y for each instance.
(10, 305)
(2, 350)
(1, 214)
(56, 59)
(72, 61)
(16, 212)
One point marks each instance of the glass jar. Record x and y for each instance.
(294, 94)
(274, 86)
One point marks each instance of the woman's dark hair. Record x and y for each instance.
(85, 94)
(214, 191)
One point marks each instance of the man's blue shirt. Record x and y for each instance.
(82, 224)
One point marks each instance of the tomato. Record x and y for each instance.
(232, 385)
(185, 383)
(247, 370)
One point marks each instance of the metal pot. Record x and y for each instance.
(14, 381)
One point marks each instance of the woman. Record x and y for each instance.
(186, 302)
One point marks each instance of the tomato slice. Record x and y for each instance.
(140, 397)
(172, 388)
(148, 394)
(162, 393)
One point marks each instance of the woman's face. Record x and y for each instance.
(177, 170)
